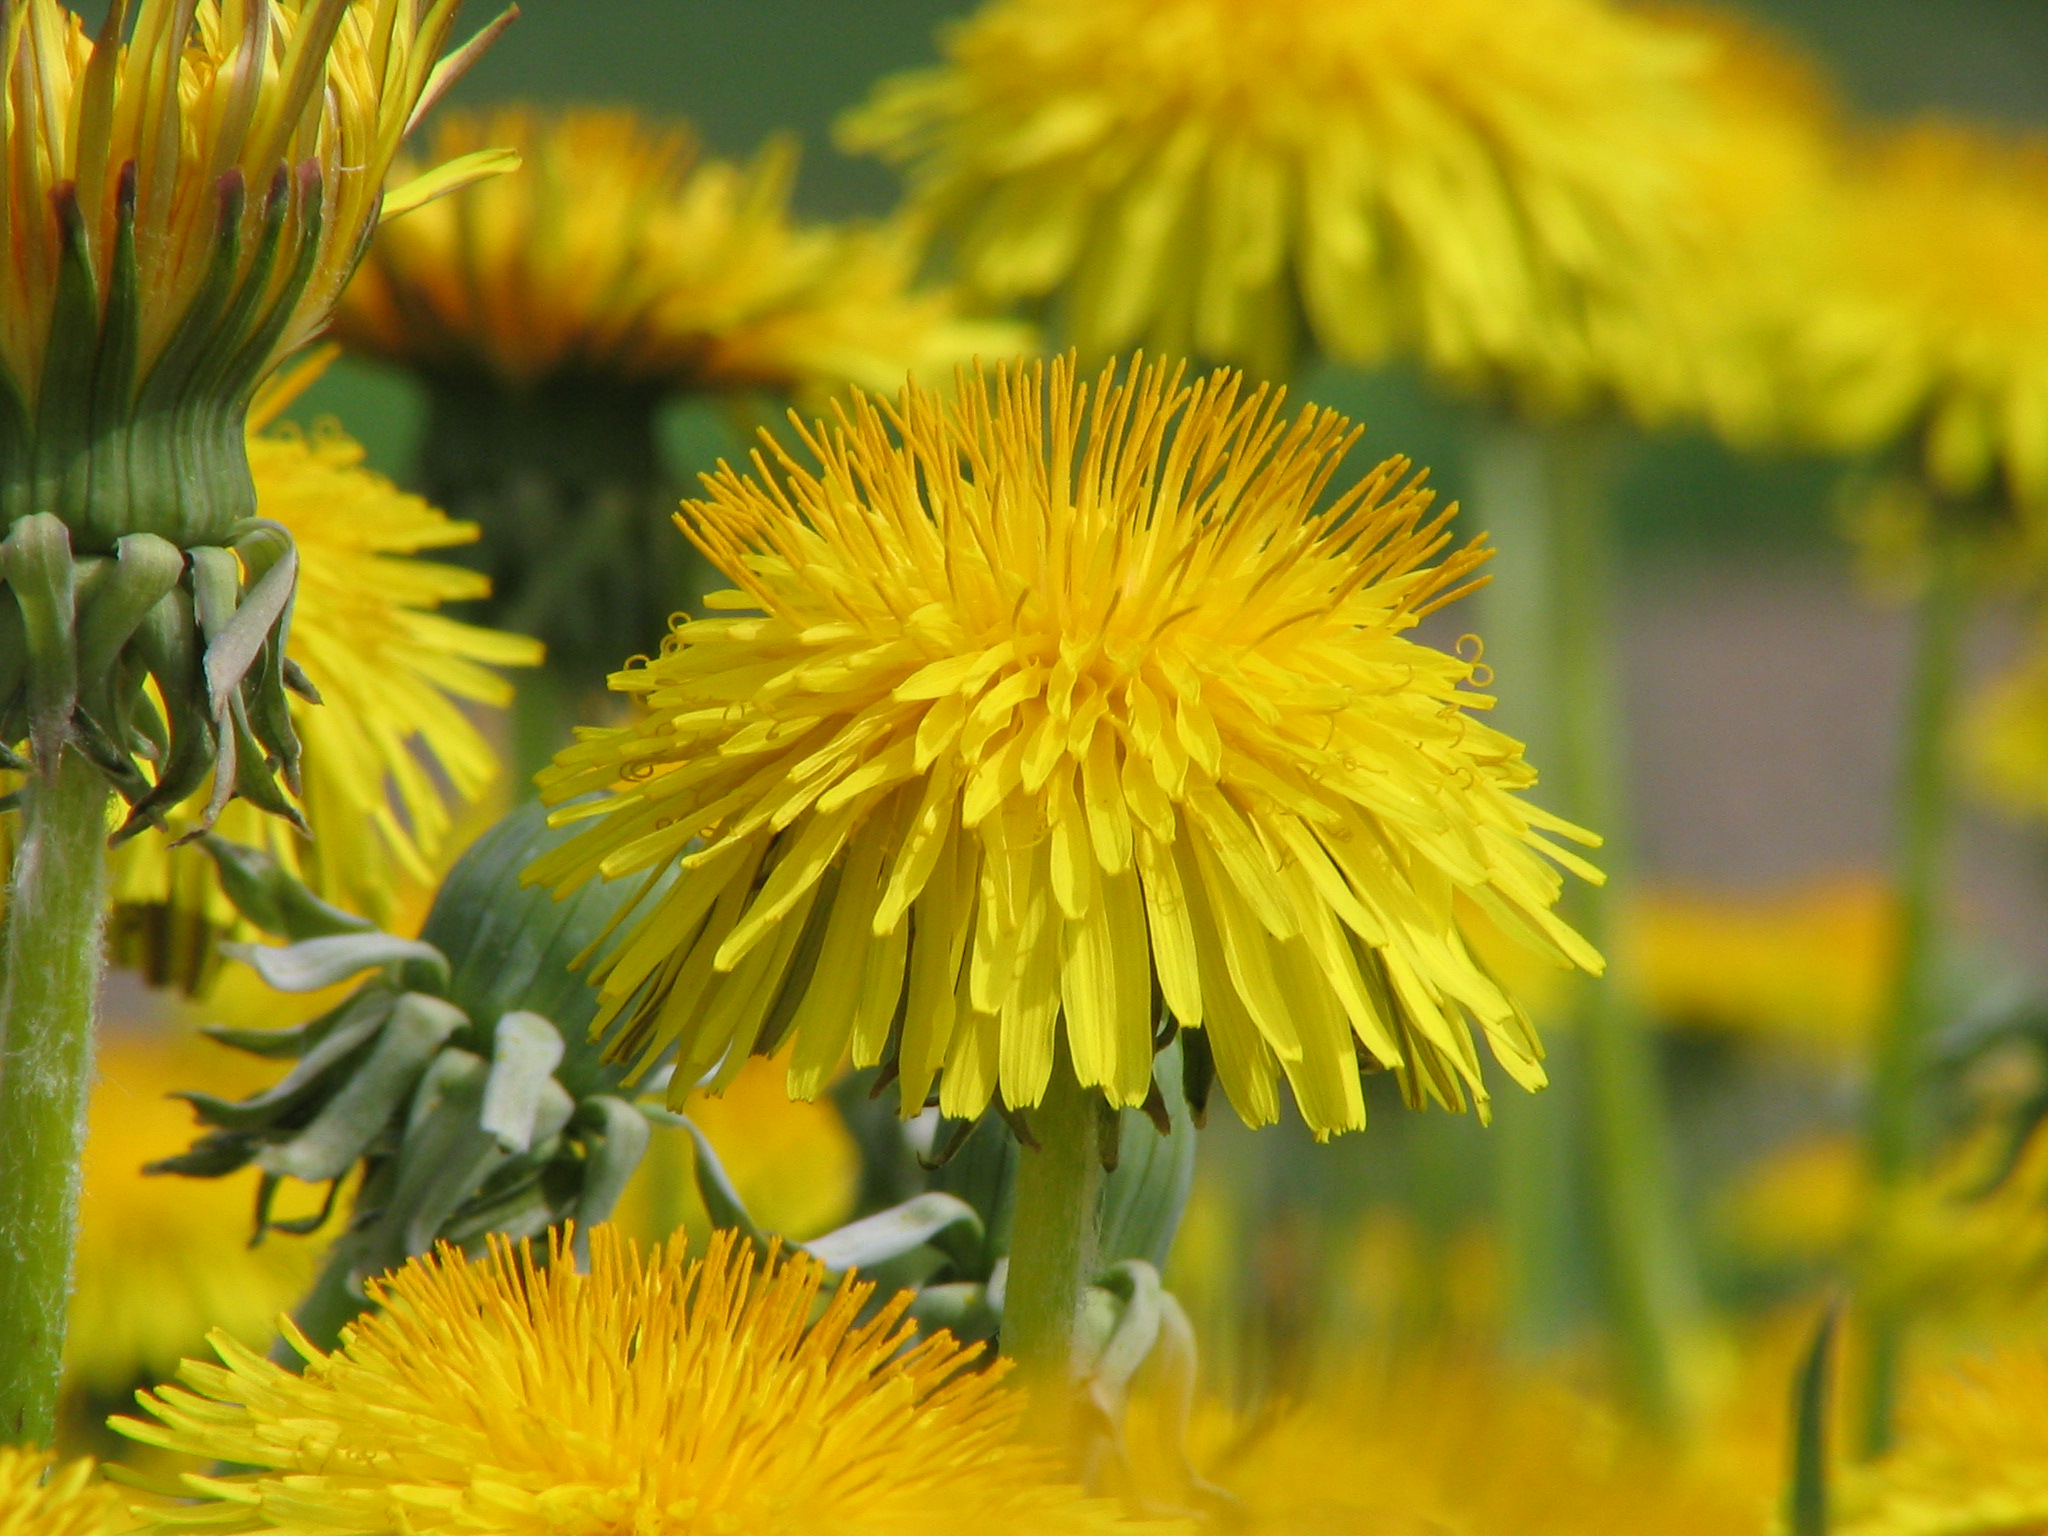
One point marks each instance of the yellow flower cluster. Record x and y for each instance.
(1490, 186)
(1052, 692)
(517, 1395)
(40, 1498)
(620, 254)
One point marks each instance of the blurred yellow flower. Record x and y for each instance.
(1809, 967)
(621, 257)
(162, 1262)
(1972, 1457)
(1056, 692)
(794, 1163)
(1487, 185)
(40, 1498)
(518, 1395)
(1930, 334)
(2006, 732)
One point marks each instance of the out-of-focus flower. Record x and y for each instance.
(1972, 1457)
(514, 1395)
(550, 314)
(40, 1498)
(1056, 694)
(162, 1263)
(620, 256)
(1808, 967)
(1930, 336)
(792, 1163)
(183, 198)
(2006, 734)
(1490, 186)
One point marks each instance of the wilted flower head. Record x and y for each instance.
(1483, 184)
(1038, 701)
(660, 1395)
(621, 256)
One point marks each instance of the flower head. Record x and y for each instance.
(1931, 338)
(1478, 183)
(621, 255)
(658, 1395)
(1054, 696)
(161, 1265)
(39, 1498)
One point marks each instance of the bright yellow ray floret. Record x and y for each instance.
(1485, 183)
(1054, 696)
(513, 1396)
(620, 254)
(40, 1498)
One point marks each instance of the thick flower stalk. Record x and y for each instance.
(552, 313)
(1486, 186)
(517, 1395)
(1055, 703)
(184, 195)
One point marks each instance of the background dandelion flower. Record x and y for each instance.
(39, 1498)
(1054, 696)
(1479, 183)
(507, 1395)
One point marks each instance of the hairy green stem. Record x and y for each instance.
(1892, 1128)
(1053, 1236)
(55, 915)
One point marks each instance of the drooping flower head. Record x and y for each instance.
(551, 313)
(1037, 700)
(39, 1498)
(660, 1395)
(184, 196)
(1484, 184)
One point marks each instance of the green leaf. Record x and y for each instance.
(1806, 1492)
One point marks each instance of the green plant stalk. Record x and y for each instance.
(1053, 1237)
(53, 943)
(1650, 1286)
(1892, 1130)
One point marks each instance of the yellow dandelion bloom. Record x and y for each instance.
(40, 1498)
(391, 756)
(1932, 336)
(1479, 183)
(511, 1395)
(1051, 694)
(2006, 736)
(1972, 1457)
(204, 174)
(621, 255)
(162, 1263)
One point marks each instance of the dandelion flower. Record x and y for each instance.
(1054, 695)
(1931, 340)
(1972, 1457)
(160, 1265)
(40, 1498)
(509, 1395)
(1478, 183)
(182, 203)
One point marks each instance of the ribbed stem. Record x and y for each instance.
(1892, 1131)
(55, 914)
(1053, 1236)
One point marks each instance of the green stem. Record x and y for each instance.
(1650, 1286)
(1893, 1126)
(1053, 1240)
(56, 910)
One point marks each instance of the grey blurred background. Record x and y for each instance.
(1764, 685)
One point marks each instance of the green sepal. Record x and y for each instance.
(214, 1156)
(1806, 1488)
(266, 548)
(61, 476)
(938, 1221)
(525, 1050)
(272, 897)
(413, 1034)
(312, 965)
(615, 1137)
(109, 494)
(960, 1307)
(144, 572)
(1144, 1198)
(167, 643)
(348, 1030)
(37, 557)
(721, 1198)
(1197, 1073)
